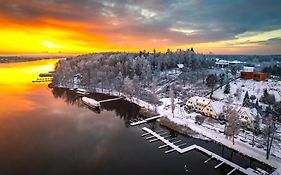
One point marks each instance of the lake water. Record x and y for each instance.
(47, 131)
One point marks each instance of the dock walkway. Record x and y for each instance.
(109, 100)
(144, 120)
(212, 155)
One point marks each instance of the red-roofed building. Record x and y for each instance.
(258, 76)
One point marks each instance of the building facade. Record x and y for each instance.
(214, 109)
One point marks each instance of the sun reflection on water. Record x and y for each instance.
(16, 83)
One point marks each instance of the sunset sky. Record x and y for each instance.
(82, 26)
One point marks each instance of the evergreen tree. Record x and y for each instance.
(253, 97)
(246, 101)
(257, 104)
(227, 88)
(267, 98)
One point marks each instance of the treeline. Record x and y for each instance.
(250, 58)
(274, 70)
(135, 74)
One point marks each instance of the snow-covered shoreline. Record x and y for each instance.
(185, 119)
(181, 117)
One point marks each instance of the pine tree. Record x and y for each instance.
(246, 101)
(257, 104)
(253, 97)
(268, 98)
(227, 88)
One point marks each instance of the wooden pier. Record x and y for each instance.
(212, 155)
(109, 100)
(144, 120)
(41, 80)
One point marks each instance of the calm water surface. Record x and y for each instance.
(49, 131)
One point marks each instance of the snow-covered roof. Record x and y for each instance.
(248, 69)
(200, 100)
(217, 106)
(180, 66)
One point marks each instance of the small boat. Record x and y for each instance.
(81, 91)
(91, 102)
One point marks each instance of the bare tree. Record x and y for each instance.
(256, 128)
(154, 98)
(119, 82)
(211, 82)
(233, 123)
(172, 97)
(269, 132)
(184, 77)
(238, 93)
(128, 87)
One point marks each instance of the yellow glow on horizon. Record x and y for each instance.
(24, 72)
(47, 40)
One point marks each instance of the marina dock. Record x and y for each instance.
(144, 120)
(109, 100)
(173, 147)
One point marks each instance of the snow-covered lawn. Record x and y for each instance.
(253, 87)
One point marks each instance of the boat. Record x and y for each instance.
(81, 91)
(91, 102)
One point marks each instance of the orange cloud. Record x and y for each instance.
(70, 26)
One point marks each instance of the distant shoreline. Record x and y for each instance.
(16, 59)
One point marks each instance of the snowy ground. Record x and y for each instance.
(253, 87)
(213, 130)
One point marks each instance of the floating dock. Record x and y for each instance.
(144, 120)
(212, 155)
